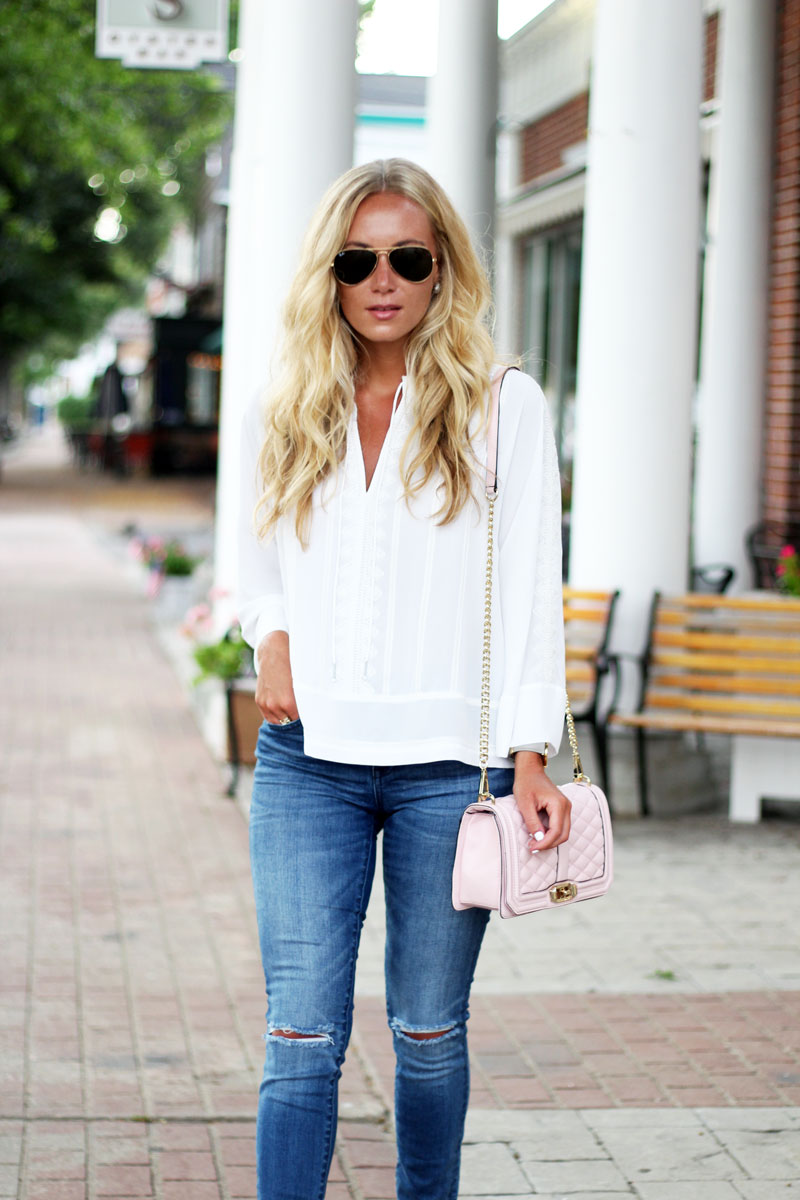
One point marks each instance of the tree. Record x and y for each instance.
(365, 9)
(97, 161)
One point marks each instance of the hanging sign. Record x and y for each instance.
(162, 33)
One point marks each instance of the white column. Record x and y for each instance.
(506, 288)
(463, 110)
(293, 134)
(636, 360)
(733, 361)
(506, 331)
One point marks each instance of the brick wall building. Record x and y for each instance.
(781, 479)
(546, 75)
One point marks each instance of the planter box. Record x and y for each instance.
(244, 721)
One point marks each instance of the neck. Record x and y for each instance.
(382, 367)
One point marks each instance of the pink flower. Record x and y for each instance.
(198, 612)
(218, 593)
(788, 552)
(197, 621)
(780, 570)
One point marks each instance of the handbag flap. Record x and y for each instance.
(585, 860)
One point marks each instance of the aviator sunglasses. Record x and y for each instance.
(413, 263)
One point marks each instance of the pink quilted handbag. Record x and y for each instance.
(495, 867)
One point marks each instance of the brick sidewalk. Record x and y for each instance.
(131, 993)
(571, 1052)
(131, 1005)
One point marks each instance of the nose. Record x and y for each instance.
(383, 275)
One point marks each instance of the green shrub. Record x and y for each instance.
(75, 412)
(229, 658)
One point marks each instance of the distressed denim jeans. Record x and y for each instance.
(313, 829)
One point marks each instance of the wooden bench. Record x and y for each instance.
(587, 626)
(718, 664)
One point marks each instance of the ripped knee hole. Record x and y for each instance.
(427, 1037)
(291, 1033)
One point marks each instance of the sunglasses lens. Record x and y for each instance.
(413, 263)
(353, 266)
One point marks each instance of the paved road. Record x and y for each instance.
(646, 1045)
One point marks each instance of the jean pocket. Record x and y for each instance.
(280, 725)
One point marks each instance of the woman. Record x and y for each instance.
(362, 594)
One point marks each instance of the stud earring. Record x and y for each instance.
(437, 287)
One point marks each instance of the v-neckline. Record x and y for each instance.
(368, 487)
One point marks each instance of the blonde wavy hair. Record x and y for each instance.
(448, 358)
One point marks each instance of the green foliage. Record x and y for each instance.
(176, 561)
(365, 9)
(229, 658)
(166, 558)
(788, 571)
(74, 412)
(79, 135)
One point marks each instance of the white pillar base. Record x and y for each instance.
(760, 767)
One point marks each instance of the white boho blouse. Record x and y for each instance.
(384, 610)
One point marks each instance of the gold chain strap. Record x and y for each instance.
(486, 660)
(486, 676)
(577, 769)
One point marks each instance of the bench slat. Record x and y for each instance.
(775, 622)
(579, 675)
(698, 701)
(593, 616)
(741, 664)
(728, 641)
(727, 683)
(571, 593)
(684, 723)
(581, 653)
(700, 600)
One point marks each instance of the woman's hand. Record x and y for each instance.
(274, 688)
(535, 793)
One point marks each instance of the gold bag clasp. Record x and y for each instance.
(561, 892)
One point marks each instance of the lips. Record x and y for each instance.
(383, 311)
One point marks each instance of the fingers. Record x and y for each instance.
(553, 837)
(549, 825)
(275, 711)
(274, 691)
(273, 707)
(560, 822)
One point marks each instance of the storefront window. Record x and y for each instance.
(202, 388)
(551, 281)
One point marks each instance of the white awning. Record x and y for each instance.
(546, 205)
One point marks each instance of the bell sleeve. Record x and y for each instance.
(528, 575)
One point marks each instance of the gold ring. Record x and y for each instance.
(286, 721)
